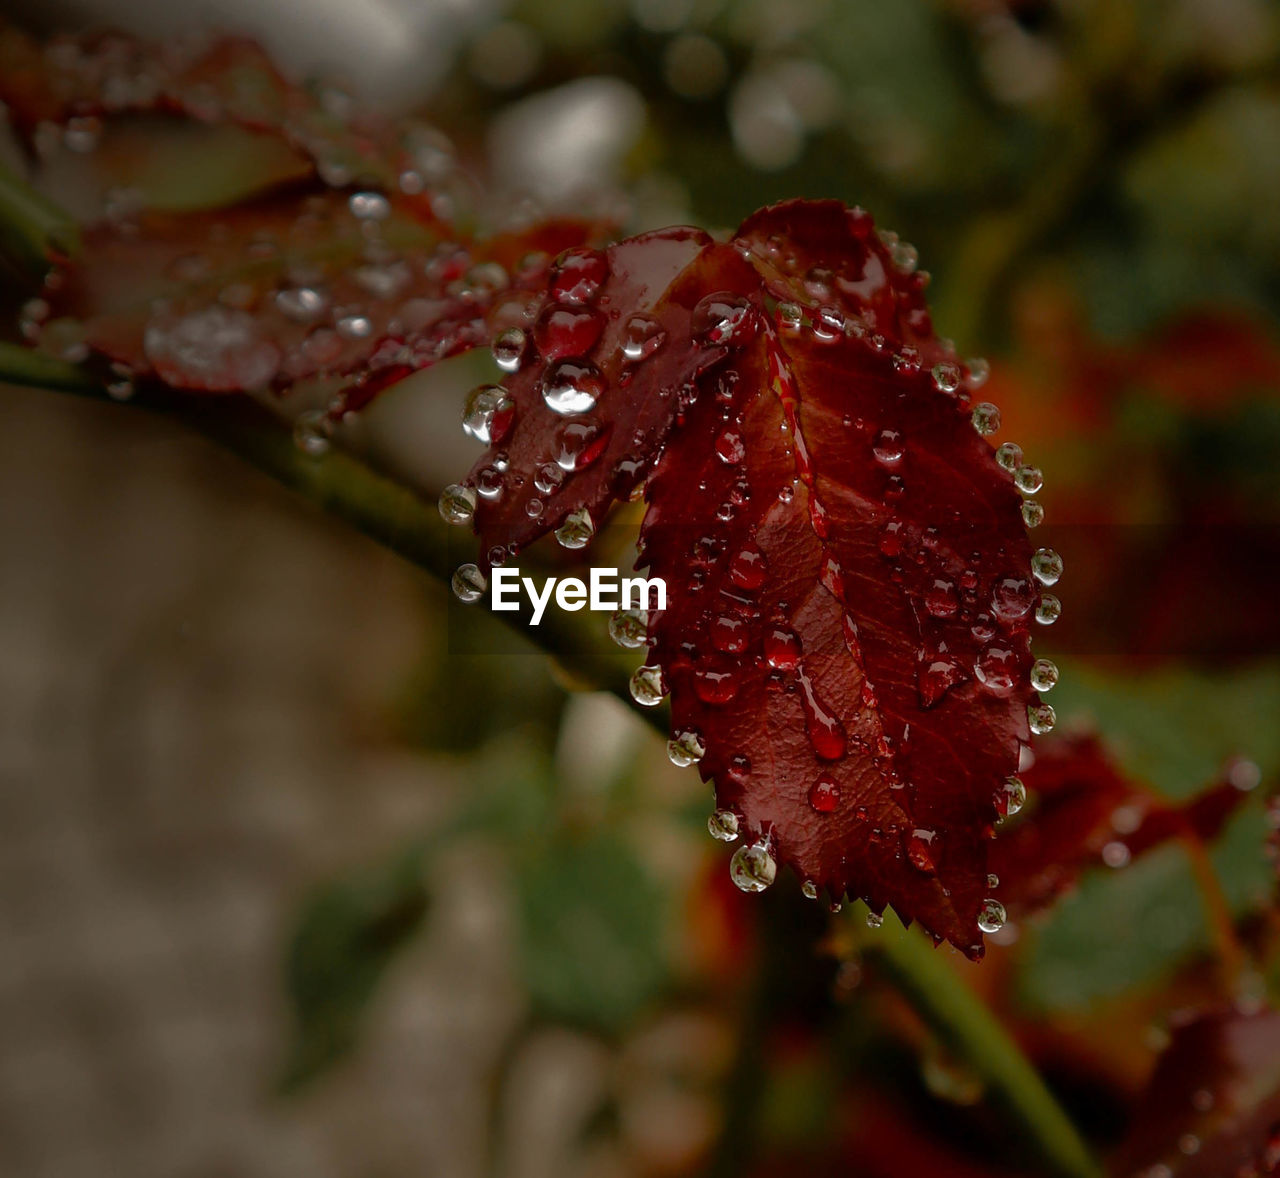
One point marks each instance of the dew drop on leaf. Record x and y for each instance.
(457, 504)
(946, 376)
(753, 868)
(888, 448)
(508, 349)
(1032, 513)
(1010, 797)
(991, 916)
(468, 584)
(641, 338)
(725, 318)
(986, 418)
(782, 648)
(824, 794)
(648, 686)
(1047, 566)
(629, 627)
(686, 748)
(747, 568)
(1044, 675)
(1009, 456)
(1028, 479)
(579, 444)
(488, 414)
(572, 386)
(723, 825)
(578, 275)
(1049, 609)
(563, 332)
(311, 430)
(1041, 718)
(922, 851)
(577, 529)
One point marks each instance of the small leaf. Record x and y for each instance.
(348, 935)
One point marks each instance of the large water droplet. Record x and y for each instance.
(747, 569)
(941, 600)
(1042, 718)
(753, 868)
(715, 686)
(826, 733)
(562, 332)
(577, 529)
(996, 670)
(686, 748)
(1046, 565)
(508, 349)
(730, 448)
(457, 504)
(991, 916)
(1009, 456)
(1049, 609)
(572, 386)
(488, 414)
(725, 318)
(824, 794)
(578, 276)
(641, 338)
(548, 477)
(986, 418)
(782, 648)
(1028, 479)
(468, 584)
(648, 686)
(1010, 797)
(889, 448)
(723, 825)
(579, 444)
(729, 634)
(629, 627)
(1044, 675)
(1012, 598)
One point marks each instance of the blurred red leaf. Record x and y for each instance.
(1212, 1107)
(1086, 811)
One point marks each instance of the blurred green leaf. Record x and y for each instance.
(591, 931)
(349, 933)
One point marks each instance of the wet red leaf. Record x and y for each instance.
(1085, 811)
(1212, 1107)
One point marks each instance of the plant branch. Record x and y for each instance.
(966, 1025)
(32, 226)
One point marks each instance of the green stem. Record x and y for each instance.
(32, 226)
(966, 1025)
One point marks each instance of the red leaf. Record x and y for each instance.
(840, 547)
(1086, 811)
(1212, 1107)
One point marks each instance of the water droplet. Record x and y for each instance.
(548, 477)
(1012, 598)
(1115, 854)
(488, 413)
(311, 433)
(753, 868)
(824, 794)
(572, 387)
(648, 686)
(629, 627)
(725, 318)
(979, 370)
(508, 349)
(1044, 675)
(1028, 479)
(985, 418)
(1009, 455)
(457, 504)
(354, 326)
(562, 332)
(489, 483)
(1032, 513)
(577, 529)
(888, 448)
(826, 733)
(1046, 565)
(874, 920)
(991, 916)
(790, 316)
(730, 448)
(641, 338)
(686, 748)
(941, 600)
(747, 569)
(302, 304)
(995, 670)
(729, 634)
(723, 825)
(369, 206)
(946, 376)
(579, 444)
(782, 648)
(578, 276)
(922, 850)
(809, 890)
(468, 584)
(715, 687)
(1042, 718)
(1049, 610)
(1010, 798)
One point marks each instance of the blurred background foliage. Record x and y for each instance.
(1093, 186)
